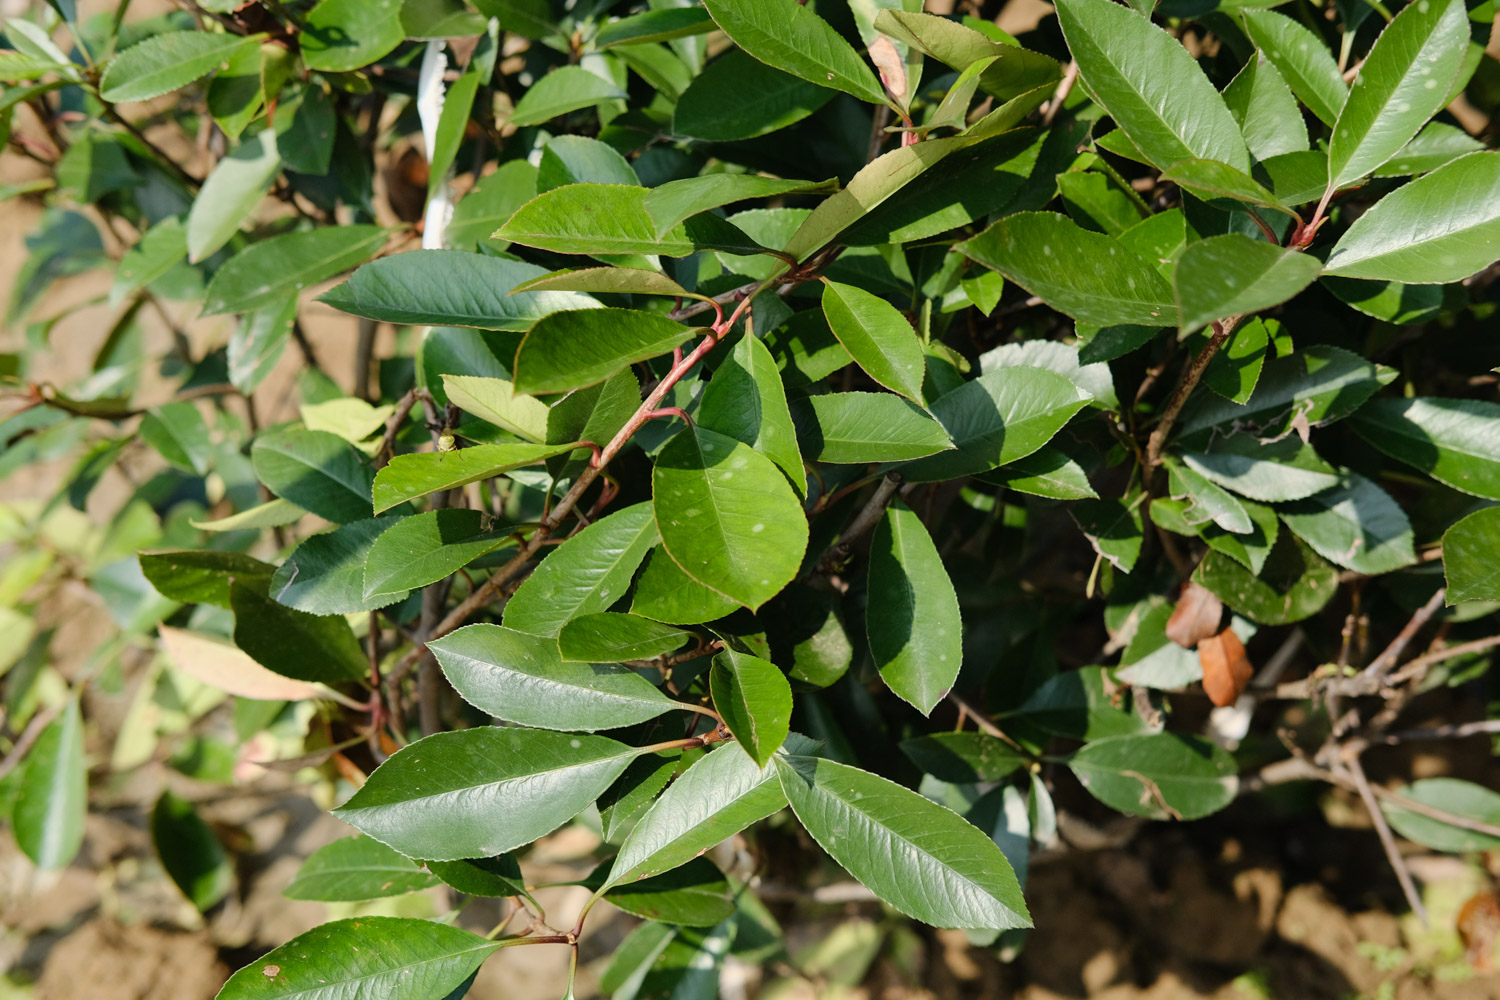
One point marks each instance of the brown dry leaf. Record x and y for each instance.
(225, 667)
(1196, 616)
(1479, 929)
(892, 70)
(1226, 669)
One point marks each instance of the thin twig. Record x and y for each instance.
(862, 522)
(29, 735)
(1064, 87)
(1387, 839)
(1453, 731)
(1382, 664)
(1190, 378)
(982, 721)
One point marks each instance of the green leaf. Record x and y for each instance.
(1452, 440)
(1469, 557)
(411, 476)
(1233, 275)
(325, 574)
(1010, 69)
(202, 576)
(612, 637)
(963, 758)
(258, 342)
(1269, 471)
(852, 428)
(1157, 775)
(1356, 525)
(527, 18)
(727, 516)
(746, 400)
(237, 92)
(496, 400)
(754, 699)
(1404, 81)
(1293, 584)
(695, 895)
(1077, 705)
(585, 574)
(1297, 178)
(565, 89)
(1265, 109)
(721, 794)
(900, 845)
(1210, 181)
(617, 280)
(489, 204)
(521, 678)
(1046, 472)
(1149, 84)
(315, 470)
(1113, 527)
(1093, 379)
(1437, 144)
(1249, 550)
(180, 434)
(1301, 58)
(912, 619)
(579, 347)
(678, 200)
(230, 193)
(53, 794)
(1441, 227)
(1390, 301)
(342, 35)
(1234, 372)
(1318, 384)
(160, 249)
(1095, 202)
(271, 514)
(480, 792)
(612, 219)
(166, 62)
(666, 594)
(497, 877)
(356, 868)
(737, 97)
(788, 36)
(189, 851)
(877, 336)
(655, 26)
(1454, 797)
(400, 959)
(414, 551)
(996, 419)
(1089, 276)
(449, 288)
(315, 648)
(265, 273)
(1206, 501)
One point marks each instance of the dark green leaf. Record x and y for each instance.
(788, 36)
(695, 895)
(1249, 550)
(666, 594)
(1302, 59)
(489, 204)
(1113, 527)
(737, 97)
(963, 758)
(565, 89)
(1469, 562)
(1207, 502)
(325, 575)
(416, 551)
(746, 401)
(1454, 797)
(342, 35)
(1157, 775)
(579, 347)
(1077, 705)
(612, 637)
(1455, 441)
(912, 620)
(1267, 113)
(1210, 181)
(853, 428)
(877, 337)
(315, 470)
(612, 219)
(166, 62)
(755, 701)
(1046, 472)
(675, 201)
(1438, 143)
(292, 643)
(1010, 70)
(616, 280)
(53, 795)
(655, 26)
(411, 476)
(189, 851)
(354, 869)
(1391, 301)
(497, 877)
(267, 272)
(202, 576)
(1272, 471)
(1234, 275)
(1356, 525)
(1293, 583)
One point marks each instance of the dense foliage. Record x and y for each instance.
(833, 406)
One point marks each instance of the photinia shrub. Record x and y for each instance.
(836, 414)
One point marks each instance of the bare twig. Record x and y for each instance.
(862, 522)
(1190, 378)
(1382, 664)
(1453, 731)
(1060, 95)
(1387, 840)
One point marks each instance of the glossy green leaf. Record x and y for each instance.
(271, 514)
(1437, 144)
(1046, 472)
(565, 89)
(717, 797)
(449, 288)
(191, 854)
(53, 796)
(585, 574)
(737, 97)
(788, 36)
(1404, 81)
(1210, 180)
(1010, 69)
(1301, 58)
(315, 470)
(258, 342)
(1233, 275)
(579, 347)
(1272, 471)
(325, 574)
(1390, 301)
(877, 336)
(1441, 227)
(315, 648)
(617, 280)
(754, 699)
(521, 678)
(496, 400)
(695, 895)
(1455, 441)
(963, 758)
(1454, 797)
(1293, 583)
(202, 576)
(622, 806)
(745, 400)
(1356, 525)
(1206, 500)
(1093, 379)
(1234, 372)
(1089, 276)
(1267, 113)
(268, 271)
(674, 201)
(414, 551)
(613, 637)
(996, 419)
(1297, 178)
(1077, 705)
(1469, 562)
(480, 792)
(657, 25)
(401, 959)
(165, 62)
(411, 476)
(342, 35)
(912, 618)
(498, 877)
(1249, 550)
(727, 516)
(1113, 527)
(1095, 202)
(1157, 775)
(356, 868)
(230, 193)
(527, 18)
(612, 219)
(1150, 85)
(900, 845)
(666, 594)
(853, 428)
